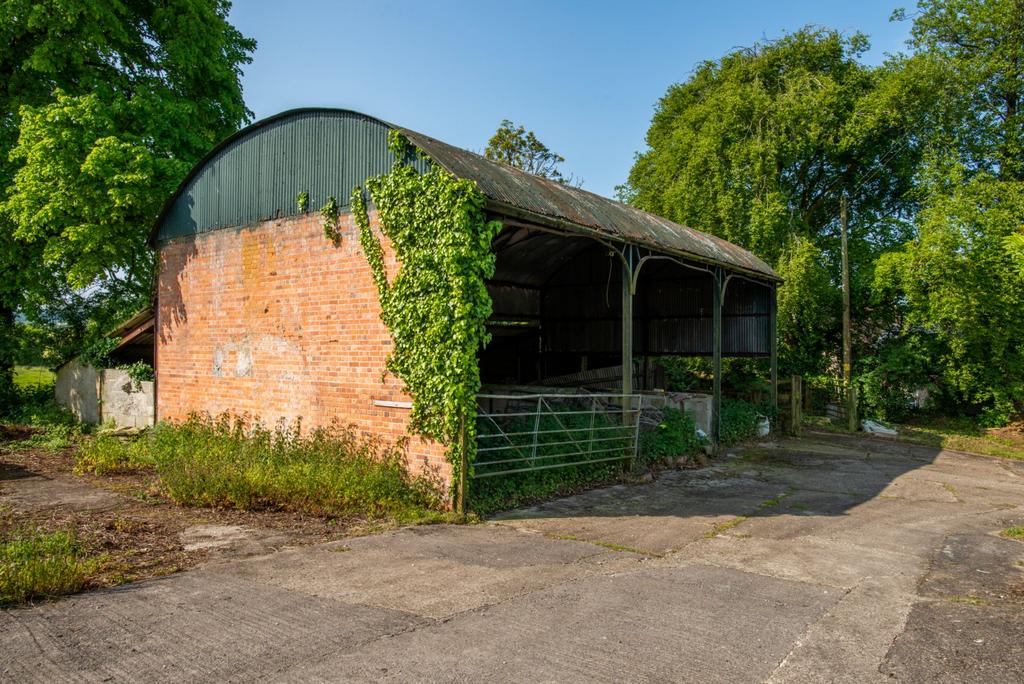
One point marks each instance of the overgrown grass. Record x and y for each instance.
(961, 434)
(232, 462)
(36, 564)
(106, 454)
(504, 492)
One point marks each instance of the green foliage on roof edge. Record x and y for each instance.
(437, 305)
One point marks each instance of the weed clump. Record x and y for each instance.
(34, 564)
(739, 421)
(107, 454)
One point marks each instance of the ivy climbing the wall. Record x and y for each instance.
(437, 305)
(329, 214)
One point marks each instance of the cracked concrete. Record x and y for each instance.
(822, 559)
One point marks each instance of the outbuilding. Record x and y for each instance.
(257, 313)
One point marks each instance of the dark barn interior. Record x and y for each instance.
(559, 303)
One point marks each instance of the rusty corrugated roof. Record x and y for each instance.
(510, 188)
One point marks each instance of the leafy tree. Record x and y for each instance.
(522, 149)
(961, 284)
(808, 310)
(960, 281)
(758, 148)
(106, 104)
(977, 46)
(91, 184)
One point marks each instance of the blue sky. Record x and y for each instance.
(584, 75)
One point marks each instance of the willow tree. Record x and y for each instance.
(759, 146)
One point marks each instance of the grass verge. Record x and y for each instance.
(964, 434)
(36, 564)
(232, 462)
(955, 434)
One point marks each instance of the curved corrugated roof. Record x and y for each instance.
(205, 199)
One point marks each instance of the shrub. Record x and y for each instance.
(34, 564)
(674, 436)
(34, 405)
(685, 374)
(739, 421)
(237, 463)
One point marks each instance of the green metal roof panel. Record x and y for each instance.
(258, 173)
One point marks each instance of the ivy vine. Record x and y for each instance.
(302, 202)
(437, 305)
(330, 220)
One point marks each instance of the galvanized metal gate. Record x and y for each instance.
(518, 433)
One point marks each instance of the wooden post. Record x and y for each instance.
(716, 358)
(627, 325)
(847, 334)
(796, 405)
(851, 409)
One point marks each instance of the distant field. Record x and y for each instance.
(26, 376)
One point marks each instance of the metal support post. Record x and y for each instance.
(716, 359)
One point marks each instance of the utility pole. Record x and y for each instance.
(851, 407)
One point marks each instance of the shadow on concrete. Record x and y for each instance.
(10, 471)
(820, 475)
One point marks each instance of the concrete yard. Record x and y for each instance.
(826, 558)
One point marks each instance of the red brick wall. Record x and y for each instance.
(276, 321)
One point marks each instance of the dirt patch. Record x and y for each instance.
(10, 433)
(137, 531)
(1013, 433)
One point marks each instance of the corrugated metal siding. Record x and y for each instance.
(258, 174)
(582, 305)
